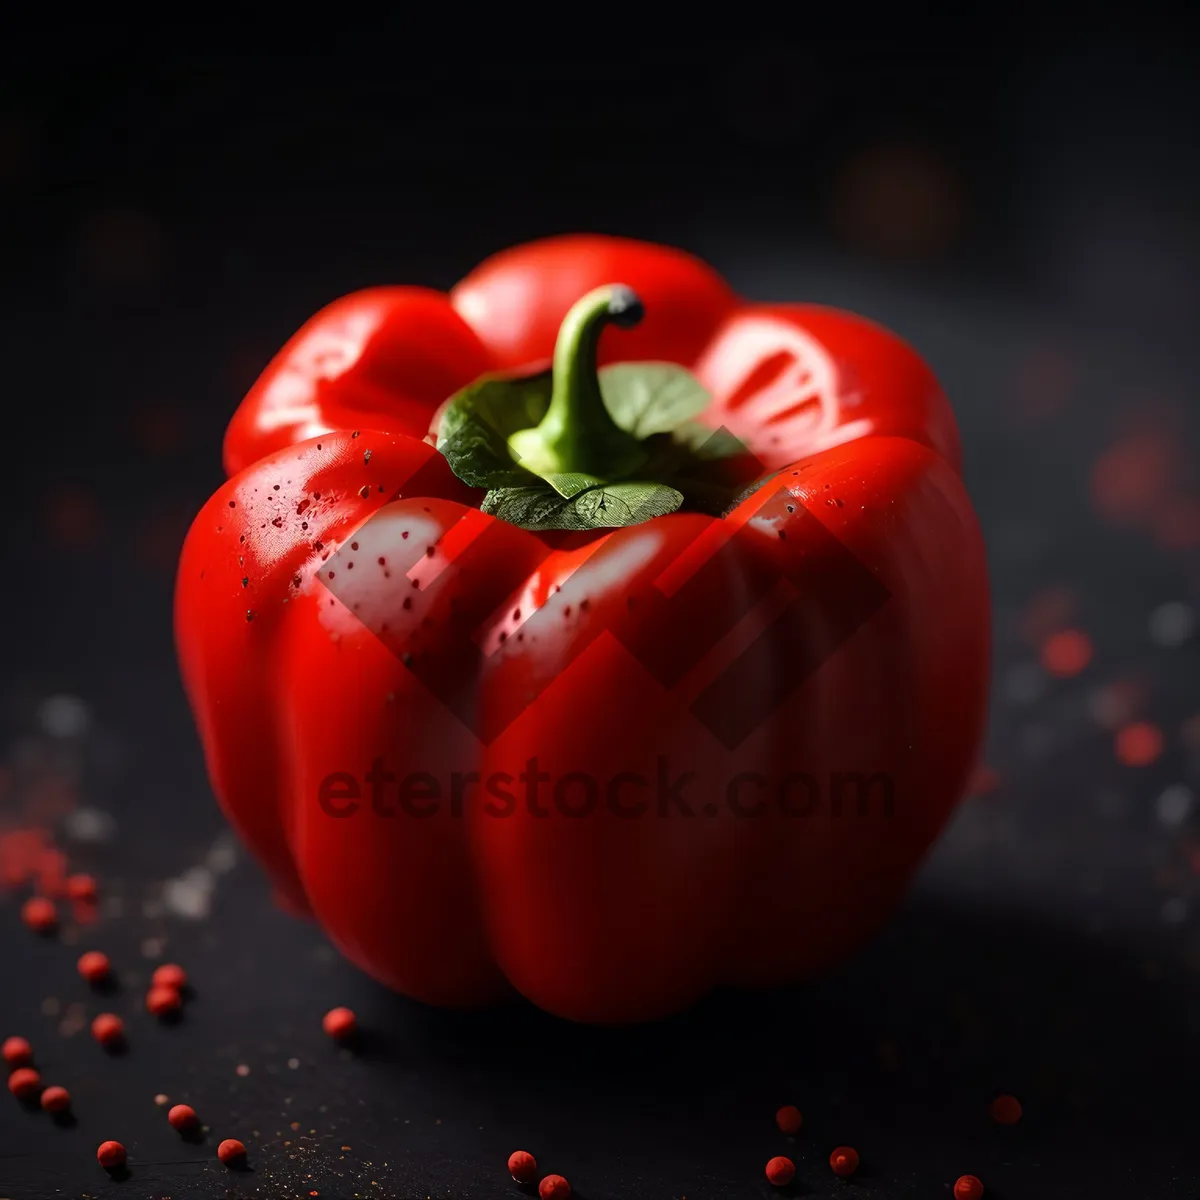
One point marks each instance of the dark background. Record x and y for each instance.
(1026, 211)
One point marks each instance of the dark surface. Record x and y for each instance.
(172, 214)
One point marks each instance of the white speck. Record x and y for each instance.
(89, 825)
(200, 877)
(63, 716)
(153, 947)
(222, 856)
(1025, 683)
(1174, 804)
(1173, 623)
(293, 1063)
(1174, 912)
(190, 898)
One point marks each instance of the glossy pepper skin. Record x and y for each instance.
(296, 678)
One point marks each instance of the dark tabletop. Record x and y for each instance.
(174, 211)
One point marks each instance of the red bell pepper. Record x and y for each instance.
(586, 736)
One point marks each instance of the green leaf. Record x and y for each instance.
(707, 444)
(644, 398)
(475, 427)
(608, 506)
(571, 483)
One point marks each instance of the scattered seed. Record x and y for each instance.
(844, 1161)
(1006, 1109)
(39, 914)
(231, 1151)
(169, 975)
(339, 1023)
(162, 1001)
(1139, 744)
(554, 1187)
(108, 1029)
(94, 966)
(968, 1187)
(780, 1171)
(182, 1116)
(110, 1155)
(81, 888)
(56, 1099)
(24, 1081)
(1066, 653)
(788, 1119)
(522, 1166)
(17, 1052)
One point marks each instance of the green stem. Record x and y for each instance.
(577, 434)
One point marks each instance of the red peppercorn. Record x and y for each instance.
(1066, 653)
(169, 975)
(230, 1151)
(24, 1081)
(968, 1187)
(522, 1166)
(789, 1120)
(339, 1022)
(780, 1171)
(56, 1099)
(17, 1052)
(39, 914)
(108, 1029)
(110, 1155)
(1139, 744)
(1006, 1110)
(94, 966)
(554, 1187)
(163, 1001)
(844, 1161)
(182, 1116)
(81, 888)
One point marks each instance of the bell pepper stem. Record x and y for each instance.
(577, 434)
